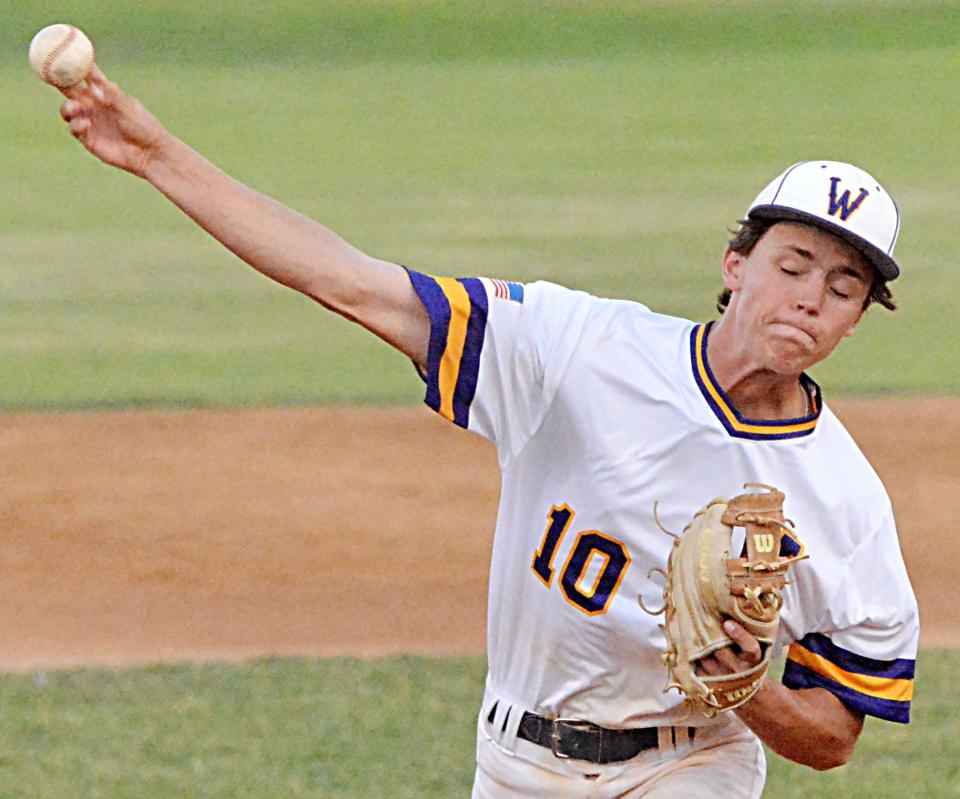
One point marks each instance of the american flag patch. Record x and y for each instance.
(507, 290)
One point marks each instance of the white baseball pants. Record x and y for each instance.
(724, 762)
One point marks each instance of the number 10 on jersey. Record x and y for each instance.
(591, 545)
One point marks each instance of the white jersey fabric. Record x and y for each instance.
(598, 409)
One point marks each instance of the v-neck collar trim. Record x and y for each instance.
(734, 423)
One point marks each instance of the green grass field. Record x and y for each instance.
(606, 145)
(339, 729)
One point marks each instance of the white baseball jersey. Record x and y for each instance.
(598, 409)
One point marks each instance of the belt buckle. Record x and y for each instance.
(577, 724)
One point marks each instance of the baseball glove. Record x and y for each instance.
(706, 586)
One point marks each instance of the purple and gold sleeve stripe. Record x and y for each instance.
(457, 308)
(881, 688)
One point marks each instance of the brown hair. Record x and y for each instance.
(749, 234)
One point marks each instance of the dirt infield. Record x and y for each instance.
(138, 537)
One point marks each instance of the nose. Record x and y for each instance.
(810, 296)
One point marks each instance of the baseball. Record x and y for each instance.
(61, 54)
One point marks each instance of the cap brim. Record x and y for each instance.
(882, 262)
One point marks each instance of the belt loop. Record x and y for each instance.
(509, 728)
(498, 724)
(684, 738)
(665, 740)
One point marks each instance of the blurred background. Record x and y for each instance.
(607, 145)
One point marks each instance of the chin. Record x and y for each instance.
(786, 358)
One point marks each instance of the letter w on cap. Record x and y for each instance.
(843, 205)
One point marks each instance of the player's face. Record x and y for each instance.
(796, 295)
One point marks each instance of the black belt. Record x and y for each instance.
(571, 738)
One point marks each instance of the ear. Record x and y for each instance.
(733, 266)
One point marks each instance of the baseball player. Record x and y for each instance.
(599, 408)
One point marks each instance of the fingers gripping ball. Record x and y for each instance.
(706, 586)
(61, 55)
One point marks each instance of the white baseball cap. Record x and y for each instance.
(841, 199)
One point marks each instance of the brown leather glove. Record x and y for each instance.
(706, 586)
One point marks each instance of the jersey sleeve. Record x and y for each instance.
(497, 352)
(865, 649)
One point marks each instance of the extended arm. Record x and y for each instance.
(809, 726)
(275, 240)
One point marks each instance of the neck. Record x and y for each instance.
(756, 392)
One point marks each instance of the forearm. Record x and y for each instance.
(808, 726)
(275, 240)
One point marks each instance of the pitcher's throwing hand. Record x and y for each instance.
(115, 127)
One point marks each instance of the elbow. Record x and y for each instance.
(831, 731)
(820, 750)
(833, 755)
(831, 762)
(346, 291)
